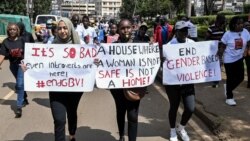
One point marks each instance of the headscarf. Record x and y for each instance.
(73, 37)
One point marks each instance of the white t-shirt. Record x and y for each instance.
(79, 30)
(90, 32)
(174, 41)
(236, 43)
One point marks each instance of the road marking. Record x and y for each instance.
(192, 123)
(7, 96)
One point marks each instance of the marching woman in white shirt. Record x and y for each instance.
(235, 44)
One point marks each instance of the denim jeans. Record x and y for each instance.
(19, 75)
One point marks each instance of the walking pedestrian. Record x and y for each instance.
(89, 33)
(28, 38)
(124, 105)
(185, 92)
(13, 47)
(215, 32)
(113, 35)
(63, 103)
(235, 43)
(78, 28)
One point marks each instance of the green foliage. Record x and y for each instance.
(17, 7)
(127, 9)
(41, 7)
(246, 8)
(202, 30)
(208, 20)
(226, 12)
(146, 8)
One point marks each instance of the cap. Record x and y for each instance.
(181, 24)
(144, 25)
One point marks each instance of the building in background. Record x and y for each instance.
(69, 8)
(231, 5)
(108, 8)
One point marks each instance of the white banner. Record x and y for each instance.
(127, 65)
(59, 67)
(191, 63)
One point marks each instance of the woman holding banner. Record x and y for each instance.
(63, 103)
(185, 92)
(123, 104)
(235, 42)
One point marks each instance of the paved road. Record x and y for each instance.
(96, 115)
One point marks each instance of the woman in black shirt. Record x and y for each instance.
(13, 47)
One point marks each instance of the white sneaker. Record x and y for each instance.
(225, 90)
(183, 134)
(230, 102)
(173, 136)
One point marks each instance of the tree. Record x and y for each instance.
(146, 8)
(188, 8)
(127, 8)
(17, 7)
(208, 6)
(42, 7)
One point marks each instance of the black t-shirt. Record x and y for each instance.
(27, 37)
(14, 50)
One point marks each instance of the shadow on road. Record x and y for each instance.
(10, 85)
(42, 101)
(87, 134)
(83, 133)
(11, 103)
(37, 136)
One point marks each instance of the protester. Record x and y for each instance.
(54, 32)
(141, 35)
(235, 42)
(185, 92)
(124, 105)
(27, 38)
(113, 35)
(192, 32)
(162, 32)
(101, 34)
(247, 57)
(65, 102)
(13, 47)
(78, 28)
(215, 32)
(89, 33)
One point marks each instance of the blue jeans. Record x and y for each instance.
(19, 75)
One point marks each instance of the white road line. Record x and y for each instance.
(192, 123)
(7, 96)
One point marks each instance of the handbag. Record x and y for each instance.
(135, 94)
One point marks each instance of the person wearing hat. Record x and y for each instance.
(185, 92)
(141, 35)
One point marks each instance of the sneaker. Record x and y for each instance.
(183, 134)
(230, 102)
(173, 136)
(18, 113)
